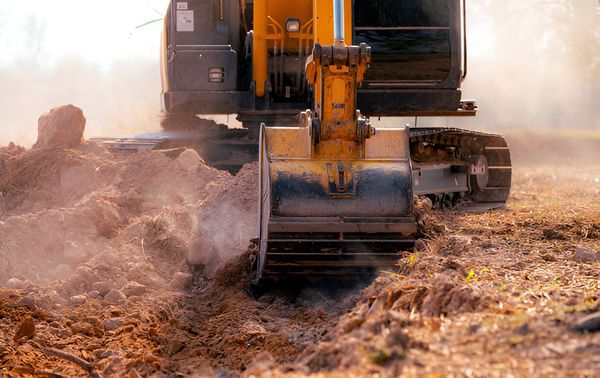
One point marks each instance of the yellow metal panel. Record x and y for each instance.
(279, 11)
(339, 90)
(323, 29)
(338, 94)
(259, 53)
(269, 32)
(388, 144)
(348, 22)
(338, 149)
(288, 142)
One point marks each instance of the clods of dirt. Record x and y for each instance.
(62, 127)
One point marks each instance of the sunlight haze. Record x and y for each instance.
(100, 32)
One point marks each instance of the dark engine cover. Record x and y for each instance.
(202, 35)
(417, 68)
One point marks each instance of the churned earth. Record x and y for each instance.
(137, 266)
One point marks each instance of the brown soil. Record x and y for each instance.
(95, 252)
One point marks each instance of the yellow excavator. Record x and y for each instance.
(304, 78)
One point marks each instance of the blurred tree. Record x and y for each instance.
(566, 30)
(35, 31)
(541, 62)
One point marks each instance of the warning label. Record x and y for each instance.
(185, 20)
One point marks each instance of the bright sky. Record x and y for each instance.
(98, 31)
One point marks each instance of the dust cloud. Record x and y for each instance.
(534, 69)
(532, 65)
(535, 64)
(117, 101)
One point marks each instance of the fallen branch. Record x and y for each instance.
(69, 357)
(66, 356)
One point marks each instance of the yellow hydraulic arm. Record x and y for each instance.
(335, 72)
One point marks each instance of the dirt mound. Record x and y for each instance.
(372, 338)
(49, 177)
(10, 151)
(61, 207)
(367, 339)
(215, 328)
(87, 239)
(62, 127)
(443, 296)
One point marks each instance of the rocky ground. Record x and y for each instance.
(136, 266)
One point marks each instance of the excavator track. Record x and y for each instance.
(452, 145)
(221, 147)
